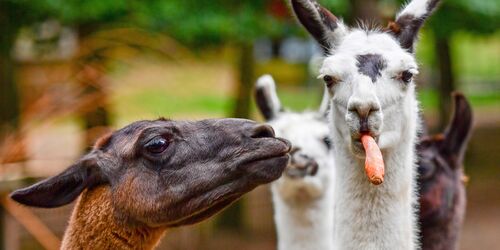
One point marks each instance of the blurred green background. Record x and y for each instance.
(72, 70)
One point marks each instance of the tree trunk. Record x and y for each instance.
(10, 108)
(96, 121)
(446, 78)
(9, 98)
(246, 66)
(232, 217)
(92, 73)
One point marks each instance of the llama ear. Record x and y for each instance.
(325, 27)
(325, 103)
(62, 188)
(266, 97)
(410, 20)
(457, 133)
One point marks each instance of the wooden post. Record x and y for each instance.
(32, 223)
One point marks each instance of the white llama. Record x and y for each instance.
(369, 74)
(303, 196)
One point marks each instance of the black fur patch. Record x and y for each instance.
(431, 5)
(410, 25)
(371, 65)
(317, 28)
(263, 104)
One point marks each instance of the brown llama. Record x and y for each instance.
(154, 175)
(441, 180)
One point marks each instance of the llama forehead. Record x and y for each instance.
(362, 51)
(123, 140)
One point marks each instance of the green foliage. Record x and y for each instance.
(471, 16)
(201, 23)
(195, 23)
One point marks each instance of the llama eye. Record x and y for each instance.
(329, 80)
(327, 142)
(157, 145)
(406, 76)
(426, 169)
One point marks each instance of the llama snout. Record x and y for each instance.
(364, 116)
(301, 165)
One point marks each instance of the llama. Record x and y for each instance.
(369, 75)
(303, 196)
(441, 180)
(154, 175)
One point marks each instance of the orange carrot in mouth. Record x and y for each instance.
(374, 163)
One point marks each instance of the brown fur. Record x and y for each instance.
(441, 180)
(394, 27)
(93, 225)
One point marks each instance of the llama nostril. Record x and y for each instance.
(363, 125)
(313, 168)
(262, 131)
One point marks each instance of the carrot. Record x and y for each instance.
(374, 163)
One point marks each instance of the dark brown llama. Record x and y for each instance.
(441, 180)
(154, 175)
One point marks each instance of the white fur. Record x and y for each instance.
(417, 8)
(303, 206)
(368, 216)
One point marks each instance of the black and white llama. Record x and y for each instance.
(369, 74)
(303, 196)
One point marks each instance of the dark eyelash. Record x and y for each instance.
(327, 142)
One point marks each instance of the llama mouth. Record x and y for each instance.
(357, 145)
(274, 153)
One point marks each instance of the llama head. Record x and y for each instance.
(440, 165)
(369, 73)
(308, 131)
(170, 173)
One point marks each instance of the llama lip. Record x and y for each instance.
(287, 143)
(279, 152)
(356, 139)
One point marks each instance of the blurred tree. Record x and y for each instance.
(199, 24)
(453, 16)
(88, 17)
(13, 15)
(225, 22)
(10, 23)
(85, 16)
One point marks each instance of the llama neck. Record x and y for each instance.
(93, 226)
(443, 231)
(375, 217)
(306, 222)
